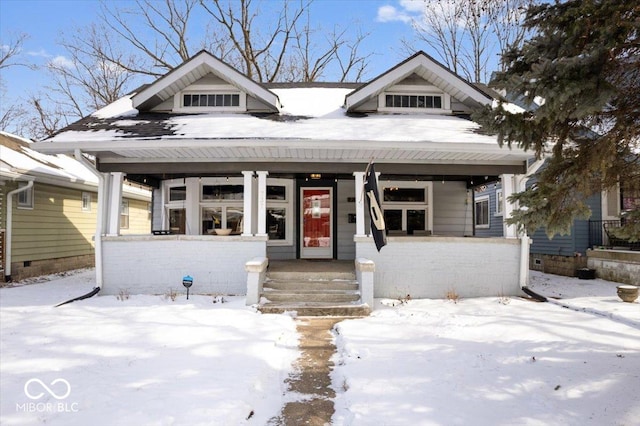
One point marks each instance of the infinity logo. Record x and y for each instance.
(52, 393)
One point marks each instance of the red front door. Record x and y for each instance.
(317, 223)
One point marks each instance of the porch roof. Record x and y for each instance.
(312, 127)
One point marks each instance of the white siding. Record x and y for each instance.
(346, 230)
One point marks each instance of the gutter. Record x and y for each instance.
(9, 231)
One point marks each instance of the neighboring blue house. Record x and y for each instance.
(563, 254)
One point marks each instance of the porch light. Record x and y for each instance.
(315, 175)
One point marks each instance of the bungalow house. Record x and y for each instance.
(280, 168)
(48, 206)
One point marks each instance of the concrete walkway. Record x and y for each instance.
(310, 385)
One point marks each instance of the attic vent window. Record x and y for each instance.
(211, 100)
(413, 101)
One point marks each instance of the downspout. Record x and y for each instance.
(100, 215)
(9, 232)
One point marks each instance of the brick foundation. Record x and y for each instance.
(20, 271)
(558, 265)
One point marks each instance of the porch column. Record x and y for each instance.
(104, 203)
(508, 188)
(248, 204)
(115, 198)
(359, 178)
(262, 203)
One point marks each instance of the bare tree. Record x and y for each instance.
(467, 34)
(12, 114)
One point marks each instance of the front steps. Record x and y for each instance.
(317, 293)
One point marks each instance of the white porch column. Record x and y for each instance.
(115, 198)
(359, 178)
(262, 203)
(248, 204)
(193, 224)
(508, 188)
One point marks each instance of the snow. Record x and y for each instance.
(493, 361)
(148, 360)
(324, 119)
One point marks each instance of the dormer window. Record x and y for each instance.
(211, 100)
(413, 101)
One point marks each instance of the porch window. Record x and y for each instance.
(177, 193)
(406, 206)
(482, 212)
(178, 220)
(279, 208)
(221, 204)
(124, 214)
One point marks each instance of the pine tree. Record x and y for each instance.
(580, 73)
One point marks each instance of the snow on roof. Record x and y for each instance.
(308, 114)
(25, 160)
(123, 107)
(19, 159)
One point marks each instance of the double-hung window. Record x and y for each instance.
(499, 202)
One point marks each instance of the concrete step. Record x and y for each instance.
(311, 275)
(311, 285)
(317, 309)
(311, 296)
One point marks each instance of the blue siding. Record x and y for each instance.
(495, 221)
(564, 245)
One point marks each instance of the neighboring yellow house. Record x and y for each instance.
(53, 201)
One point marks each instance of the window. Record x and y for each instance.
(175, 213)
(177, 193)
(279, 216)
(211, 100)
(177, 220)
(499, 202)
(86, 201)
(413, 101)
(482, 212)
(124, 214)
(221, 205)
(25, 198)
(406, 206)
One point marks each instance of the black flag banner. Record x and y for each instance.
(375, 212)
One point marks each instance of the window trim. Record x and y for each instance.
(29, 195)
(478, 200)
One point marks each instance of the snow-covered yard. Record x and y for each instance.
(148, 360)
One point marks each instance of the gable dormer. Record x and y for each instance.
(418, 85)
(205, 84)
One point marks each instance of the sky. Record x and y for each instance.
(44, 21)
